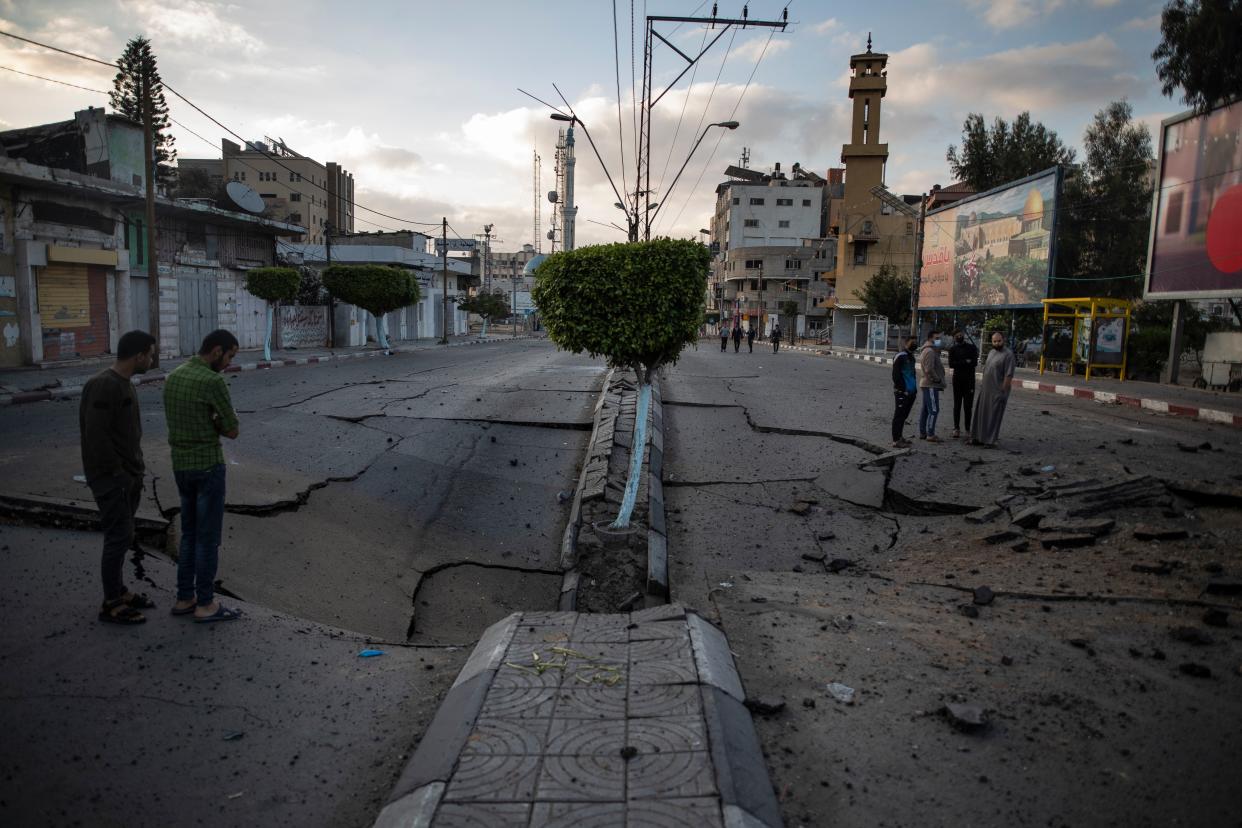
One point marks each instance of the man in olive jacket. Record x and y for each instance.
(931, 384)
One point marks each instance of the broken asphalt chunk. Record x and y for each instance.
(1162, 568)
(1067, 541)
(1030, 517)
(838, 564)
(985, 515)
(1147, 532)
(1002, 535)
(801, 507)
(765, 705)
(968, 610)
(984, 596)
(1089, 526)
(818, 557)
(968, 718)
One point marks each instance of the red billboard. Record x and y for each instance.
(994, 249)
(1196, 229)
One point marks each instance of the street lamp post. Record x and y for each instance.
(650, 217)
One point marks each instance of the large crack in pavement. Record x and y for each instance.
(428, 577)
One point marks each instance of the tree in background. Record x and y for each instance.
(635, 304)
(887, 293)
(1199, 51)
(1103, 233)
(789, 309)
(195, 182)
(377, 289)
(993, 156)
(273, 285)
(136, 66)
(487, 305)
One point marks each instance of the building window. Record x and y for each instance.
(784, 202)
(806, 202)
(737, 200)
(860, 253)
(754, 264)
(867, 228)
(140, 242)
(756, 202)
(750, 223)
(909, 228)
(793, 264)
(783, 223)
(295, 196)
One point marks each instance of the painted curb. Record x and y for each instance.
(1158, 406)
(657, 532)
(568, 601)
(71, 391)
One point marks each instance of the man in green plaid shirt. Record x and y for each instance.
(198, 410)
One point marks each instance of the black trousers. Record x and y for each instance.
(904, 403)
(118, 500)
(963, 395)
(724, 343)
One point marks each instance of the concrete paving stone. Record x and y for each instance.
(511, 678)
(483, 815)
(507, 737)
(662, 672)
(586, 737)
(667, 649)
(695, 812)
(741, 773)
(490, 651)
(601, 628)
(578, 814)
(607, 652)
(526, 637)
(593, 702)
(519, 703)
(492, 777)
(713, 657)
(444, 737)
(653, 701)
(593, 778)
(548, 619)
(659, 775)
(414, 810)
(660, 631)
(664, 612)
(657, 553)
(735, 817)
(669, 734)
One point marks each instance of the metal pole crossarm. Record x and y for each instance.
(727, 21)
(660, 206)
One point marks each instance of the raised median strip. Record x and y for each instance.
(566, 718)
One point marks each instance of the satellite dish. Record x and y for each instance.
(552, 234)
(552, 196)
(244, 197)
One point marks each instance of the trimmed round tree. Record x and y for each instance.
(377, 289)
(273, 285)
(487, 305)
(637, 305)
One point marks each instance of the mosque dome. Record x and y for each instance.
(529, 270)
(1034, 207)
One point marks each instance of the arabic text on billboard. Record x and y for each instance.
(1196, 245)
(992, 251)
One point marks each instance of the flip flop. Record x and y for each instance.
(183, 610)
(137, 600)
(222, 613)
(115, 612)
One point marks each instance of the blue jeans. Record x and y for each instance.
(202, 519)
(929, 412)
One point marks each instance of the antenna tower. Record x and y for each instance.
(538, 206)
(745, 158)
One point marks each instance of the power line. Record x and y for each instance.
(53, 80)
(616, 62)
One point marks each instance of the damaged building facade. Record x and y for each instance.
(73, 264)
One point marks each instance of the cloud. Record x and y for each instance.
(826, 26)
(194, 22)
(1142, 23)
(762, 47)
(1005, 14)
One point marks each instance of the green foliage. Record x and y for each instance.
(1102, 236)
(993, 156)
(195, 182)
(1198, 52)
(887, 293)
(636, 304)
(310, 289)
(377, 289)
(1147, 351)
(789, 308)
(135, 66)
(275, 284)
(487, 305)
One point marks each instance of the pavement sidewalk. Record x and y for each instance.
(565, 718)
(1199, 404)
(26, 385)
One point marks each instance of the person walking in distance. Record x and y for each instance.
(776, 336)
(905, 387)
(737, 336)
(199, 411)
(931, 383)
(993, 393)
(750, 338)
(724, 336)
(963, 357)
(111, 434)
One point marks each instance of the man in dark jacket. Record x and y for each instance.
(737, 336)
(112, 462)
(905, 391)
(750, 338)
(724, 336)
(963, 358)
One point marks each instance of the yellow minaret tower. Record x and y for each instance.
(864, 156)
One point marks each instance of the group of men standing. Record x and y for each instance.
(736, 334)
(198, 412)
(983, 415)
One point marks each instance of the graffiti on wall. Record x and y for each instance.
(303, 326)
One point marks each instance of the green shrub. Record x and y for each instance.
(1147, 352)
(377, 289)
(274, 284)
(636, 304)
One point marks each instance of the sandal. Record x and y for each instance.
(176, 610)
(116, 612)
(222, 613)
(137, 600)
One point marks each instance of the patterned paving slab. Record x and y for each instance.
(589, 720)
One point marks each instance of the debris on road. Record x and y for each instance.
(966, 717)
(765, 705)
(984, 596)
(838, 564)
(985, 515)
(1147, 532)
(1191, 635)
(370, 653)
(841, 692)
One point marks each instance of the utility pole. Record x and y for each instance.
(444, 264)
(153, 267)
(515, 281)
(918, 271)
(331, 299)
(1173, 367)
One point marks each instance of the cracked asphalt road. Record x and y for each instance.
(354, 480)
(1086, 662)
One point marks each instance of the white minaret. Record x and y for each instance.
(568, 211)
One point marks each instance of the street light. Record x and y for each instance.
(725, 124)
(630, 219)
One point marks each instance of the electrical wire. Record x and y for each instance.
(53, 80)
(616, 61)
(684, 103)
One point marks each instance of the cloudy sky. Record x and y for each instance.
(420, 99)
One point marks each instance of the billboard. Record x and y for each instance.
(992, 250)
(457, 245)
(1196, 233)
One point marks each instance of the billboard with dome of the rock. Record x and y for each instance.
(1196, 230)
(993, 250)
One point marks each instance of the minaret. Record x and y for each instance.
(864, 157)
(568, 210)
